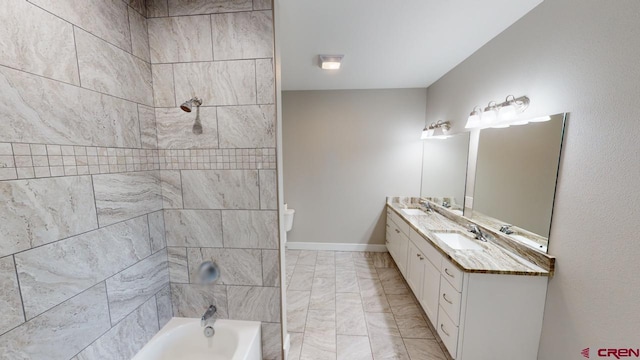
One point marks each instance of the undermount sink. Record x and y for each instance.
(457, 241)
(530, 243)
(413, 212)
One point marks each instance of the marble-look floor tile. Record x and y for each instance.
(386, 342)
(39, 110)
(132, 287)
(126, 195)
(325, 271)
(171, 186)
(323, 294)
(296, 345)
(76, 323)
(106, 19)
(302, 278)
(318, 320)
(265, 80)
(271, 341)
(37, 212)
(180, 39)
(244, 35)
(319, 345)
(191, 300)
(392, 281)
(271, 267)
(164, 93)
(326, 258)
(196, 7)
(110, 70)
(262, 4)
(175, 128)
(254, 303)
(291, 256)
(148, 136)
(157, 8)
(354, 348)
(373, 297)
(178, 265)
(307, 257)
(250, 126)
(55, 272)
(37, 42)
(365, 268)
(297, 308)
(10, 301)
(409, 318)
(420, 349)
(139, 34)
(346, 281)
(235, 82)
(220, 189)
(237, 266)
(350, 315)
(156, 231)
(250, 229)
(163, 300)
(193, 228)
(126, 338)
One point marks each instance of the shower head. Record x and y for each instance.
(188, 105)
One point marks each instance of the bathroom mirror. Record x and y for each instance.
(444, 171)
(515, 180)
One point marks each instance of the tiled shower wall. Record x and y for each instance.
(83, 260)
(219, 188)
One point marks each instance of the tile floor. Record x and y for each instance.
(353, 306)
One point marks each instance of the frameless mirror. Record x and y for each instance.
(515, 180)
(444, 171)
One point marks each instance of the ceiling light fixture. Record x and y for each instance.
(499, 115)
(330, 62)
(437, 130)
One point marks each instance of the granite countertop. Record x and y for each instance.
(492, 259)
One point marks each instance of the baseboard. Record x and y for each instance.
(335, 246)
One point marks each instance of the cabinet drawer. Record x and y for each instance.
(450, 301)
(401, 224)
(426, 248)
(448, 332)
(452, 273)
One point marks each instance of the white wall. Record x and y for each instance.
(578, 56)
(344, 152)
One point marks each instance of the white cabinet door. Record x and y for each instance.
(430, 291)
(415, 268)
(402, 246)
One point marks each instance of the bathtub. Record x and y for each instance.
(183, 339)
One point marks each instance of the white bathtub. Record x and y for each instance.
(183, 339)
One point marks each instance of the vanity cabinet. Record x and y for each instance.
(478, 316)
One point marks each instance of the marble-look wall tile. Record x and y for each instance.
(55, 272)
(217, 83)
(262, 5)
(268, 189)
(35, 109)
(33, 40)
(126, 338)
(244, 35)
(250, 229)
(156, 231)
(61, 332)
(139, 35)
(164, 94)
(247, 126)
(254, 303)
(271, 341)
(132, 287)
(220, 189)
(180, 39)
(163, 299)
(148, 137)
(193, 228)
(126, 195)
(271, 267)
(195, 7)
(178, 266)
(139, 6)
(192, 300)
(175, 128)
(107, 19)
(10, 301)
(171, 183)
(110, 70)
(157, 8)
(237, 266)
(37, 212)
(265, 81)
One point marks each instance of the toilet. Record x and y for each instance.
(288, 218)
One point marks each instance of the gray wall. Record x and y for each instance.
(344, 152)
(82, 258)
(579, 57)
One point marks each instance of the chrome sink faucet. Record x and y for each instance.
(479, 234)
(426, 205)
(208, 315)
(506, 228)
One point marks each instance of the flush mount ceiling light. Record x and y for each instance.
(499, 115)
(437, 130)
(330, 62)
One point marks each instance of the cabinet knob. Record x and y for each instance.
(444, 296)
(443, 330)
(398, 231)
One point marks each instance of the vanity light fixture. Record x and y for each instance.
(437, 130)
(498, 115)
(330, 62)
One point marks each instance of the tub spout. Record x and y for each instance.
(208, 315)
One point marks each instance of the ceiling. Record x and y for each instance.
(387, 44)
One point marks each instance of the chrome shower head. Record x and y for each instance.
(188, 105)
